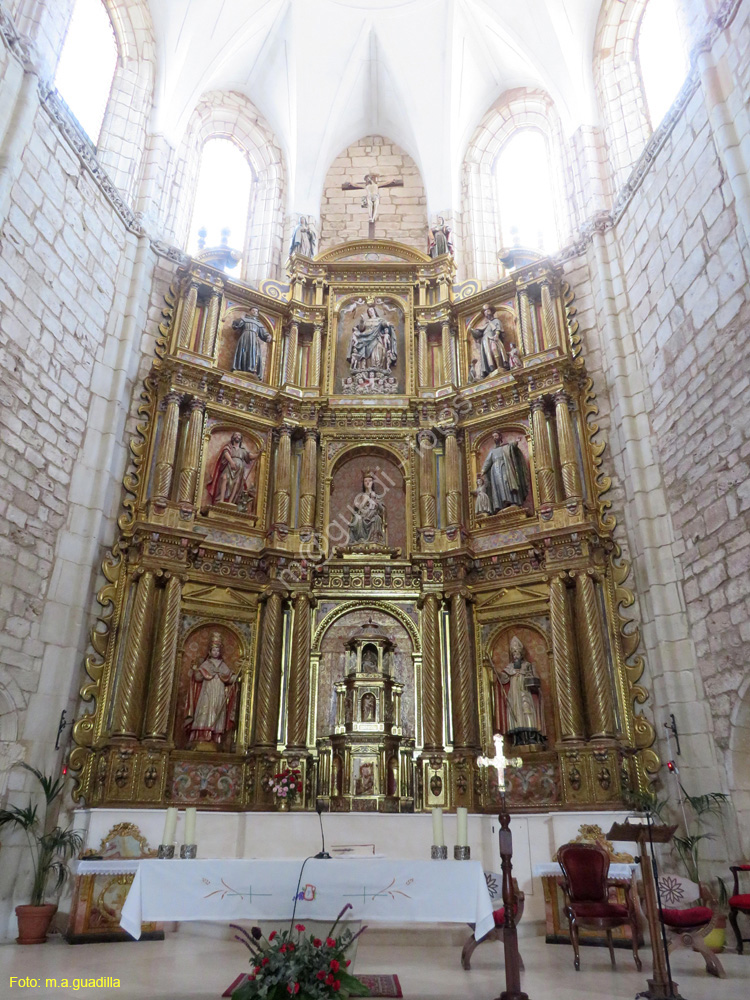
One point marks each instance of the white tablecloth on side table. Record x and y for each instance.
(616, 869)
(379, 890)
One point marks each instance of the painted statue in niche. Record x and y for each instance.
(505, 475)
(373, 343)
(368, 521)
(211, 709)
(519, 712)
(369, 707)
(248, 356)
(371, 332)
(482, 505)
(440, 239)
(231, 479)
(514, 357)
(488, 336)
(303, 238)
(364, 777)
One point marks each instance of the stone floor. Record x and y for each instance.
(189, 967)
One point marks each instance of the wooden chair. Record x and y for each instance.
(688, 924)
(495, 889)
(587, 903)
(738, 903)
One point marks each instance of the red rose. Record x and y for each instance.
(293, 988)
(256, 970)
(299, 788)
(317, 942)
(348, 962)
(330, 979)
(272, 935)
(265, 961)
(336, 986)
(282, 949)
(334, 966)
(299, 927)
(290, 946)
(321, 975)
(331, 942)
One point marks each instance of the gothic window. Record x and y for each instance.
(222, 196)
(662, 57)
(87, 65)
(523, 174)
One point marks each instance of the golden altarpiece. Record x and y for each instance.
(364, 529)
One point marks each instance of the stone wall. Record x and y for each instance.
(403, 210)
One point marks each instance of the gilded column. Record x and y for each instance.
(432, 679)
(545, 473)
(427, 501)
(452, 477)
(527, 330)
(463, 688)
(566, 443)
(422, 354)
(269, 671)
(165, 454)
(211, 325)
(315, 360)
(567, 677)
(189, 471)
(283, 478)
(161, 681)
(131, 684)
(291, 352)
(308, 480)
(550, 329)
(188, 316)
(597, 688)
(299, 675)
(448, 374)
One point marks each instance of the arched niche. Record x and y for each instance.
(538, 651)
(482, 445)
(222, 486)
(472, 341)
(226, 344)
(371, 354)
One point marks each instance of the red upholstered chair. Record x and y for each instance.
(687, 921)
(587, 903)
(495, 889)
(738, 903)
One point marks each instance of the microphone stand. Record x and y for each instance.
(322, 855)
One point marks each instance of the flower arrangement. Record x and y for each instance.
(286, 785)
(290, 963)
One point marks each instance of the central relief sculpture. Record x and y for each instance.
(373, 351)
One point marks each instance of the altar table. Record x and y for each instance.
(379, 890)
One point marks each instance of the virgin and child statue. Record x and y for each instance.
(373, 343)
(211, 709)
(518, 702)
(368, 521)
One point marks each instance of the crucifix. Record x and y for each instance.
(371, 198)
(512, 989)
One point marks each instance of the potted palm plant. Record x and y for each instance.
(51, 848)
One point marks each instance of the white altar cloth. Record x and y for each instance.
(395, 891)
(616, 869)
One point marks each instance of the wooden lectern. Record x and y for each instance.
(661, 987)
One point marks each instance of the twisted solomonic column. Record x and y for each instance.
(452, 478)
(566, 444)
(550, 327)
(283, 479)
(316, 355)
(210, 328)
(291, 352)
(545, 473)
(165, 453)
(447, 347)
(569, 701)
(463, 684)
(130, 685)
(269, 671)
(189, 472)
(527, 330)
(161, 681)
(427, 500)
(188, 316)
(308, 480)
(422, 355)
(432, 679)
(597, 685)
(298, 698)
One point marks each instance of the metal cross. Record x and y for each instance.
(499, 761)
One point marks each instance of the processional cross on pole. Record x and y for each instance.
(512, 989)
(371, 199)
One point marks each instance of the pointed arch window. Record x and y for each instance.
(525, 188)
(87, 65)
(662, 57)
(222, 196)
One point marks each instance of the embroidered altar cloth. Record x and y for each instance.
(379, 890)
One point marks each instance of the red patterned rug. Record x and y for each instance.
(379, 986)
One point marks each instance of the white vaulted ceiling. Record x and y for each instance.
(325, 73)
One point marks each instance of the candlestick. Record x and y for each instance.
(439, 853)
(438, 834)
(462, 836)
(170, 825)
(190, 815)
(188, 851)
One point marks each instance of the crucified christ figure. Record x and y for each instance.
(371, 198)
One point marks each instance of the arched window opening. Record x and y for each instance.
(87, 65)
(662, 57)
(222, 197)
(523, 173)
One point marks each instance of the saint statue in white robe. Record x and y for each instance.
(212, 698)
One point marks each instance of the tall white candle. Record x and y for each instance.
(462, 836)
(438, 836)
(190, 815)
(170, 825)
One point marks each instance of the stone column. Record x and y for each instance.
(569, 703)
(597, 687)
(550, 329)
(161, 681)
(527, 331)
(315, 357)
(269, 671)
(452, 477)
(448, 373)
(545, 473)
(188, 316)
(298, 697)
(131, 682)
(422, 355)
(427, 501)
(283, 478)
(308, 480)
(432, 677)
(191, 458)
(291, 352)
(165, 453)
(210, 327)
(566, 444)
(463, 687)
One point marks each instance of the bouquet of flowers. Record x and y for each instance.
(286, 785)
(292, 964)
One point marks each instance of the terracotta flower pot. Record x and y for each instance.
(33, 922)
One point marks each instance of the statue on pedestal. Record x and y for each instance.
(247, 355)
(518, 702)
(368, 522)
(504, 472)
(489, 339)
(212, 699)
(441, 239)
(230, 481)
(303, 238)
